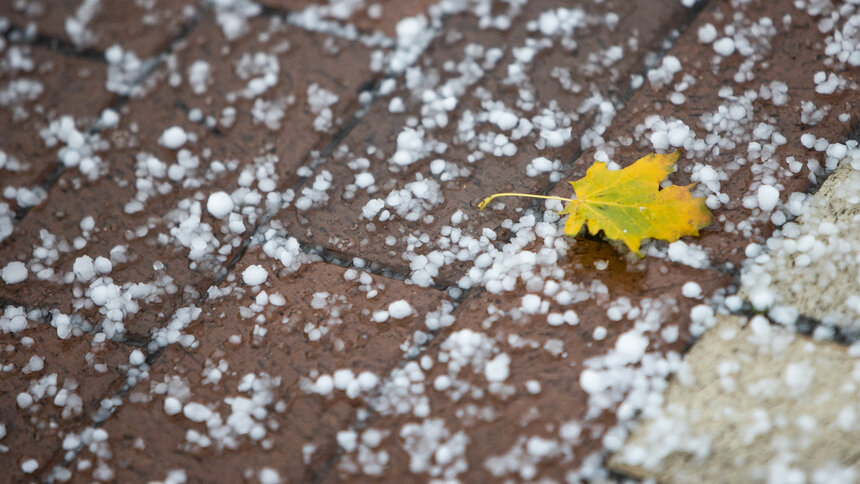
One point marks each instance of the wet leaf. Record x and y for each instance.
(629, 205)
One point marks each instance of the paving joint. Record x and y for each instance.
(141, 341)
(813, 188)
(149, 68)
(805, 325)
(18, 34)
(121, 386)
(535, 206)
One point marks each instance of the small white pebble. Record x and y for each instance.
(219, 204)
(14, 272)
(342, 378)
(692, 290)
(24, 400)
(254, 275)
(364, 180)
(136, 358)
(172, 406)
(725, 46)
(497, 369)
(324, 385)
(269, 476)
(380, 316)
(347, 439)
(707, 33)
(103, 265)
(768, 197)
(808, 140)
(399, 309)
(173, 138)
(29, 466)
(196, 412)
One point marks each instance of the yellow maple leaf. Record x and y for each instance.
(628, 204)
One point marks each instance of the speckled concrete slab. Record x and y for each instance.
(752, 403)
(810, 267)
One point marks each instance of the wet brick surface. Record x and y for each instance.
(366, 17)
(49, 87)
(51, 386)
(493, 426)
(146, 191)
(317, 320)
(266, 262)
(470, 70)
(744, 153)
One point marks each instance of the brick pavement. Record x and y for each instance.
(241, 242)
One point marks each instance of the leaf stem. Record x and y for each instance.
(489, 199)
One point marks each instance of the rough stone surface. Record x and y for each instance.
(810, 267)
(754, 403)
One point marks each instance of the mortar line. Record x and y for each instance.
(120, 387)
(18, 35)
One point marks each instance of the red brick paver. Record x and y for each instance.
(499, 394)
(367, 17)
(149, 194)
